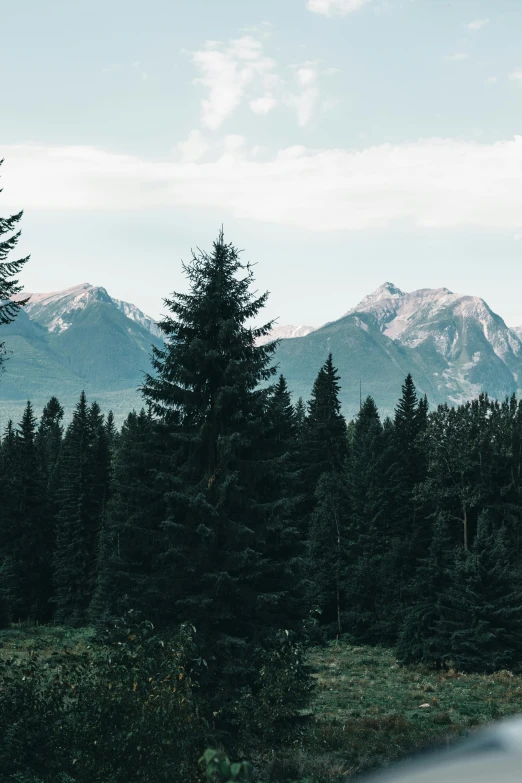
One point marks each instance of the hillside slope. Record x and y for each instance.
(74, 340)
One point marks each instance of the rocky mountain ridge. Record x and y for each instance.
(454, 345)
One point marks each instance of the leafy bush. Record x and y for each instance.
(218, 768)
(277, 705)
(123, 712)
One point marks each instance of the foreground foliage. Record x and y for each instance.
(115, 709)
(76, 716)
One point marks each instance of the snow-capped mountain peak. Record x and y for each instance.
(56, 310)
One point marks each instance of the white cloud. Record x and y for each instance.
(305, 102)
(240, 72)
(263, 105)
(227, 72)
(491, 80)
(234, 142)
(438, 183)
(516, 76)
(477, 24)
(194, 147)
(335, 7)
(456, 57)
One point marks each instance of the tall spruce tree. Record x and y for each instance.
(49, 439)
(327, 559)
(325, 442)
(418, 640)
(410, 421)
(78, 520)
(7, 510)
(368, 536)
(101, 454)
(480, 627)
(9, 285)
(132, 541)
(300, 415)
(227, 524)
(324, 449)
(27, 540)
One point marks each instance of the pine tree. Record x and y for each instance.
(49, 440)
(323, 451)
(9, 286)
(132, 540)
(78, 520)
(417, 642)
(26, 539)
(101, 453)
(327, 564)
(7, 511)
(300, 416)
(226, 522)
(410, 468)
(480, 627)
(111, 432)
(326, 444)
(410, 419)
(370, 529)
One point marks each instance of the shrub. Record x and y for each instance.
(123, 712)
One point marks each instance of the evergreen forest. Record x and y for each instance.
(226, 528)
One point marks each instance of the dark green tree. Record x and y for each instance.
(101, 453)
(325, 441)
(327, 560)
(226, 522)
(370, 529)
(7, 511)
(132, 541)
(78, 520)
(480, 627)
(417, 642)
(27, 540)
(9, 286)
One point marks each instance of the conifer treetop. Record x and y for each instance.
(211, 358)
(9, 285)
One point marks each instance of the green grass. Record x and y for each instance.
(20, 639)
(366, 711)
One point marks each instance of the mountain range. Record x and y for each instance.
(455, 346)
(79, 338)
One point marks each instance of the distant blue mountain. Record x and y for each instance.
(82, 338)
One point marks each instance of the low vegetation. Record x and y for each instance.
(367, 711)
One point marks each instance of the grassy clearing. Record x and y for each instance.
(367, 710)
(19, 640)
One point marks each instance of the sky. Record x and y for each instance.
(340, 143)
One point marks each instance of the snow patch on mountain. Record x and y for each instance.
(137, 315)
(55, 310)
(452, 325)
(287, 332)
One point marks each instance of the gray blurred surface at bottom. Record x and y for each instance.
(493, 755)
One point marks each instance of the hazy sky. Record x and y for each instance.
(342, 143)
